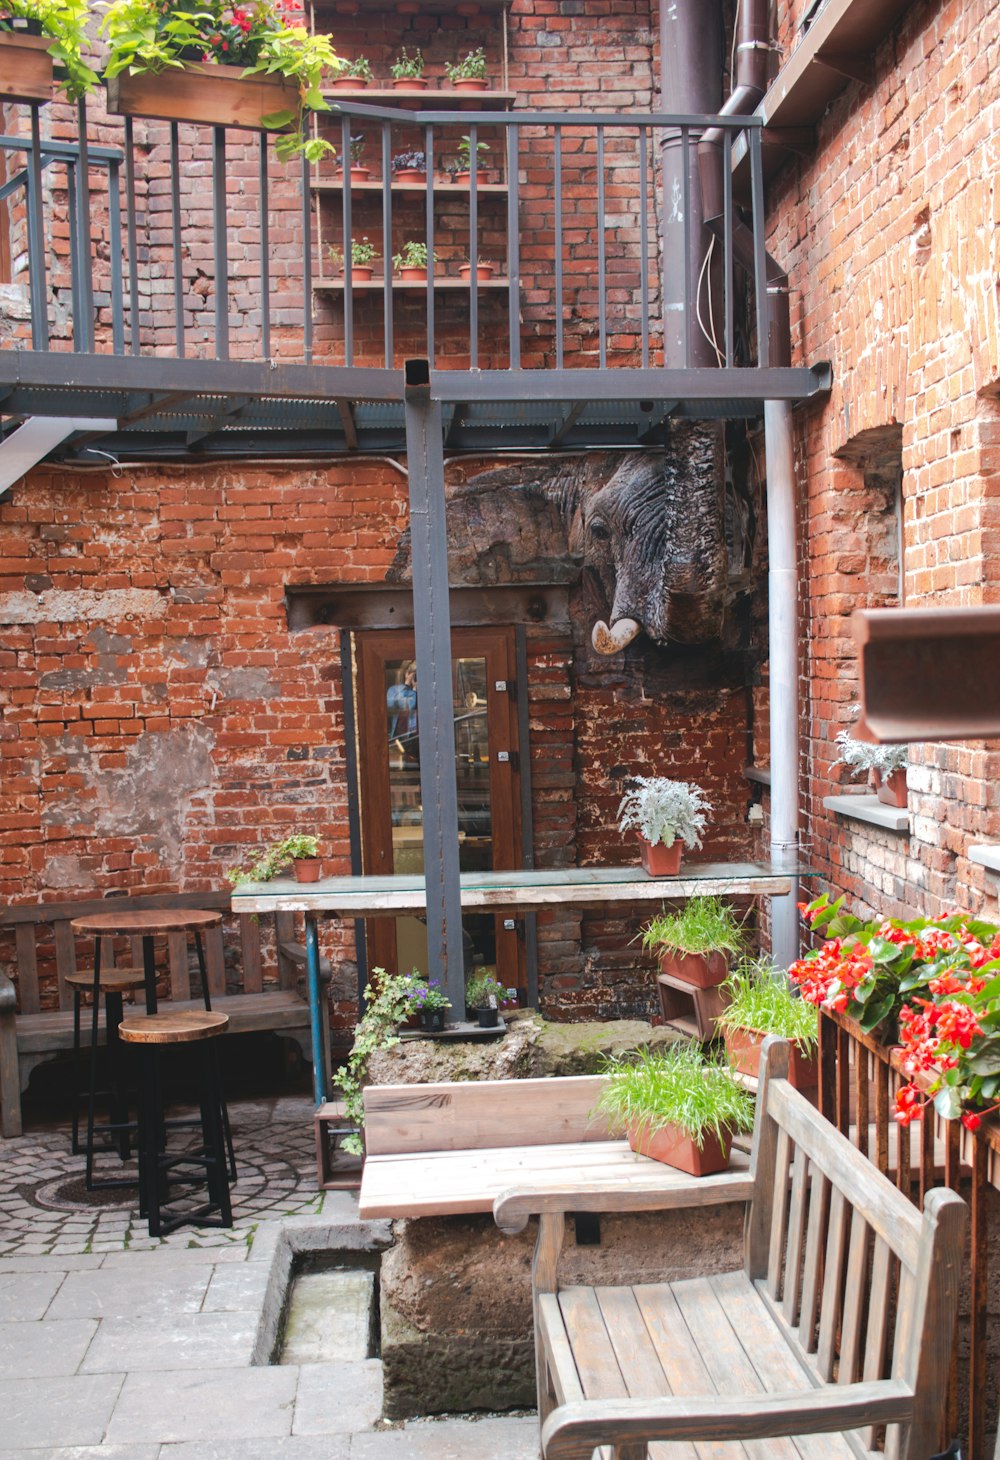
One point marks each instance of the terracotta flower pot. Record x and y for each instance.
(359, 173)
(471, 83)
(483, 271)
(409, 83)
(661, 861)
(410, 175)
(703, 970)
(361, 273)
(892, 789)
(674, 1148)
(411, 274)
(307, 869)
(743, 1047)
(348, 83)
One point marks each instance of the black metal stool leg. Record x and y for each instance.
(75, 1146)
(151, 1174)
(206, 995)
(117, 1102)
(213, 1112)
(92, 1092)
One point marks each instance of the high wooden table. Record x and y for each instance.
(370, 897)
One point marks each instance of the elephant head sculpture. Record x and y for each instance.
(648, 526)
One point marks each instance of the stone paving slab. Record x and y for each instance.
(338, 1399)
(452, 1439)
(292, 1447)
(187, 1341)
(33, 1350)
(237, 1289)
(122, 1293)
(57, 1411)
(87, 1452)
(224, 1405)
(25, 1296)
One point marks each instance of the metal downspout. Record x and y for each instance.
(752, 52)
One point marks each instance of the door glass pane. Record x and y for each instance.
(475, 831)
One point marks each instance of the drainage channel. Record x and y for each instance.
(331, 1310)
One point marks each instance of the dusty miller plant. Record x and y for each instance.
(661, 810)
(861, 756)
(386, 1007)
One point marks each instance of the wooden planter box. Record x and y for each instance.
(25, 68)
(204, 93)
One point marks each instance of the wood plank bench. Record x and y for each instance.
(30, 1035)
(451, 1148)
(840, 1322)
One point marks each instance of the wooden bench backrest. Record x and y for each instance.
(858, 1279)
(31, 925)
(482, 1114)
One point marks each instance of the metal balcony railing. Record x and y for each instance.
(186, 242)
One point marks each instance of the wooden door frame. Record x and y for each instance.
(497, 646)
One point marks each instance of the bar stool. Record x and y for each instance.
(147, 925)
(114, 984)
(158, 1167)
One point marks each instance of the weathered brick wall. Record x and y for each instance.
(888, 231)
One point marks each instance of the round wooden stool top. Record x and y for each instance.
(173, 1026)
(113, 980)
(145, 924)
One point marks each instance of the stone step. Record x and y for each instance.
(331, 1316)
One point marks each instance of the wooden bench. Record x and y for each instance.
(449, 1148)
(30, 1035)
(839, 1323)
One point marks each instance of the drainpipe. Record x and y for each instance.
(752, 53)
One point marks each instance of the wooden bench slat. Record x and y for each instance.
(779, 1214)
(65, 960)
(593, 1353)
(855, 1291)
(833, 1279)
(636, 1356)
(563, 1370)
(253, 963)
(812, 1276)
(180, 966)
(215, 960)
(796, 1233)
(27, 968)
(284, 926)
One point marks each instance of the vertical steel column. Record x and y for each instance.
(782, 596)
(317, 1014)
(36, 240)
(220, 225)
(432, 624)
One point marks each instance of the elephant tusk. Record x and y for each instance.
(614, 639)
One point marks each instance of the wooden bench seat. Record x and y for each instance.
(840, 1322)
(30, 1035)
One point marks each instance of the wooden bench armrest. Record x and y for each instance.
(574, 1430)
(512, 1208)
(8, 995)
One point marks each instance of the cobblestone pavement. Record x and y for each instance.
(45, 1209)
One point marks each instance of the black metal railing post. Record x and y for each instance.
(220, 225)
(36, 240)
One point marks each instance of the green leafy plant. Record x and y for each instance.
(63, 22)
(427, 994)
(677, 1086)
(409, 162)
(389, 1001)
(760, 999)
(360, 67)
(704, 925)
(363, 253)
(662, 810)
(274, 859)
(413, 256)
(470, 68)
(462, 161)
(264, 36)
(406, 66)
(358, 145)
(480, 990)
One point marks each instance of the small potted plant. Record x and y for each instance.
(411, 263)
(460, 169)
(484, 270)
(676, 1106)
(429, 1002)
(885, 766)
(354, 76)
(363, 255)
(666, 815)
(300, 851)
(696, 943)
(410, 167)
(468, 74)
(358, 172)
(33, 35)
(762, 1003)
(484, 995)
(408, 71)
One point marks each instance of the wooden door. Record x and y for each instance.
(487, 773)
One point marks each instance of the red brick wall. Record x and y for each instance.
(888, 231)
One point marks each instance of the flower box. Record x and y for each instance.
(203, 93)
(702, 970)
(25, 68)
(744, 1045)
(671, 1146)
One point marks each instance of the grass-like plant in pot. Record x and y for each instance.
(468, 74)
(762, 1002)
(484, 995)
(677, 1106)
(885, 766)
(696, 943)
(299, 851)
(667, 815)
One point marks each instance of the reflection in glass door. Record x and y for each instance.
(486, 773)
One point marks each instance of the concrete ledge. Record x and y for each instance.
(873, 811)
(986, 855)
